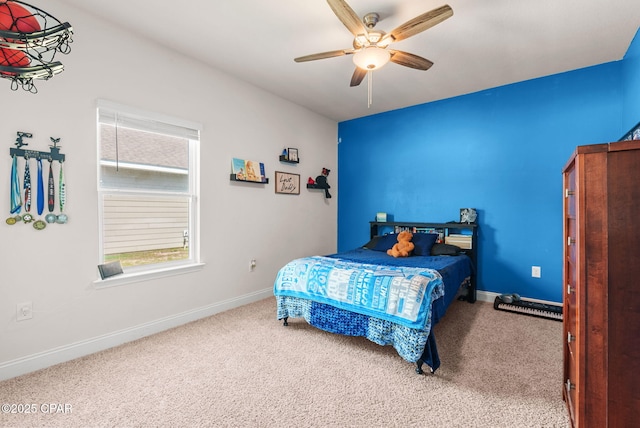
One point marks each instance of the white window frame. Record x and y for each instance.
(150, 272)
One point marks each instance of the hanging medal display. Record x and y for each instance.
(17, 202)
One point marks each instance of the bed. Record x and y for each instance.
(390, 301)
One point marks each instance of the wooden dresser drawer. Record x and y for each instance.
(570, 293)
(571, 241)
(570, 196)
(570, 390)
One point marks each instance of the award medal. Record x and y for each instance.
(27, 217)
(39, 224)
(40, 200)
(27, 185)
(16, 201)
(62, 197)
(51, 200)
(51, 196)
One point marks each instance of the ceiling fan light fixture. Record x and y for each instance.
(361, 40)
(371, 58)
(385, 41)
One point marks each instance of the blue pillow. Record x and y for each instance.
(386, 242)
(423, 243)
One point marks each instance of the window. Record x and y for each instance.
(148, 189)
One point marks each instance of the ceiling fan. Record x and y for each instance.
(370, 46)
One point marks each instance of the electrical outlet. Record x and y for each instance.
(535, 271)
(24, 311)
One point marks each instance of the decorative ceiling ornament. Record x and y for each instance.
(30, 38)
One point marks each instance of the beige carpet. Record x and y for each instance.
(242, 368)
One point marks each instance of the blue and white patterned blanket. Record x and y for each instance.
(401, 295)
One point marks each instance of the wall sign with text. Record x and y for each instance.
(287, 183)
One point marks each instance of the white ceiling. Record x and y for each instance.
(484, 44)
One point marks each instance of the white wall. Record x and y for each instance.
(55, 268)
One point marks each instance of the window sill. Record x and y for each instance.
(128, 278)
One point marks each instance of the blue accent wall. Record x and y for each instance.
(500, 151)
(631, 78)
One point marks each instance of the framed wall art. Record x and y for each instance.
(287, 183)
(247, 170)
(292, 154)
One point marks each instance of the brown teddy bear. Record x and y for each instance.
(404, 247)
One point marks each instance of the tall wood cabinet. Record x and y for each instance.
(602, 285)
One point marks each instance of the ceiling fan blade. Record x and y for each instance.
(324, 55)
(347, 16)
(357, 77)
(410, 60)
(421, 23)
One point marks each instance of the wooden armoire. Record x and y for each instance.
(601, 313)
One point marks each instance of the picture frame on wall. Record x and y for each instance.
(287, 183)
(247, 170)
(292, 154)
(468, 215)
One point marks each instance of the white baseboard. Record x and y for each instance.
(486, 296)
(490, 296)
(72, 351)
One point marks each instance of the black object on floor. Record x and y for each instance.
(525, 307)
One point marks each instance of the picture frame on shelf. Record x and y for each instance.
(287, 183)
(381, 217)
(248, 170)
(468, 215)
(292, 154)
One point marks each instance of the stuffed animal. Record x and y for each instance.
(404, 247)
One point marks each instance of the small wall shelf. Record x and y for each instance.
(232, 177)
(284, 159)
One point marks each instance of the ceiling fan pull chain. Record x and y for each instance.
(370, 88)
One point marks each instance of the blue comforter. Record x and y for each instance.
(399, 294)
(414, 344)
(453, 269)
